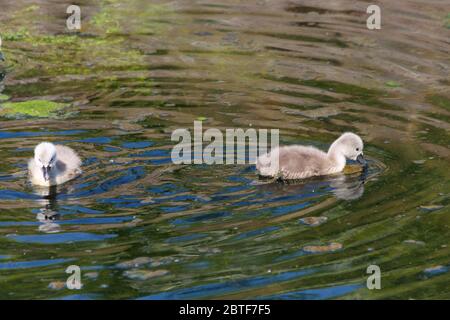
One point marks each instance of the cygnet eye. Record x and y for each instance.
(357, 149)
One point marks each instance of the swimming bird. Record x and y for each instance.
(299, 162)
(53, 164)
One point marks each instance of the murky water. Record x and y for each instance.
(142, 227)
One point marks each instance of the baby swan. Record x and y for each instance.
(53, 165)
(299, 162)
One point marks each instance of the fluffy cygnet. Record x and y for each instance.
(299, 162)
(53, 165)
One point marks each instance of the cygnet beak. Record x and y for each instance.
(360, 159)
(46, 172)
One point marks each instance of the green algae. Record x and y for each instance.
(113, 18)
(392, 84)
(17, 35)
(439, 101)
(31, 108)
(102, 46)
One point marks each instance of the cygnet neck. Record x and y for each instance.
(336, 156)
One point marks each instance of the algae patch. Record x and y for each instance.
(31, 108)
(17, 35)
(392, 84)
(447, 21)
(439, 101)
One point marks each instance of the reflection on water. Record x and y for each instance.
(48, 214)
(141, 227)
(342, 186)
(348, 190)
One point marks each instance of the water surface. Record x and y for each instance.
(141, 227)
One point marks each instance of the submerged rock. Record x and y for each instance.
(148, 200)
(135, 263)
(333, 246)
(431, 208)
(164, 260)
(56, 285)
(138, 274)
(410, 241)
(127, 125)
(313, 221)
(145, 261)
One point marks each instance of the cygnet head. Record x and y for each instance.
(350, 146)
(45, 157)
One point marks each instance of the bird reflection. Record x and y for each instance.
(48, 215)
(342, 186)
(348, 187)
(2, 77)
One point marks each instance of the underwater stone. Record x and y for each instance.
(313, 221)
(334, 246)
(411, 241)
(431, 208)
(135, 263)
(56, 285)
(144, 274)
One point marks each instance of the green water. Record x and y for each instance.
(140, 69)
